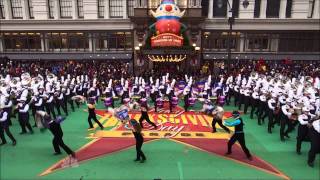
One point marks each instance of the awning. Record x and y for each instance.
(68, 56)
(265, 56)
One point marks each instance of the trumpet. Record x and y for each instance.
(51, 77)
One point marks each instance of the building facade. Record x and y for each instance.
(119, 30)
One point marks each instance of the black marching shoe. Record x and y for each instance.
(287, 136)
(282, 139)
(136, 160)
(57, 153)
(299, 152)
(227, 153)
(310, 164)
(250, 158)
(3, 143)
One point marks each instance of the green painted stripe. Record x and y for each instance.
(180, 170)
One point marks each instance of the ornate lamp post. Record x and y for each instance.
(231, 21)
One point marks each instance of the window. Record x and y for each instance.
(68, 41)
(220, 8)
(115, 8)
(51, 8)
(22, 41)
(218, 41)
(101, 8)
(235, 8)
(16, 9)
(152, 3)
(257, 4)
(130, 6)
(205, 7)
(113, 41)
(2, 15)
(66, 8)
(288, 8)
(80, 8)
(258, 42)
(299, 42)
(273, 7)
(30, 5)
(184, 3)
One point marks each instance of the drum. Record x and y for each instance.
(175, 101)
(201, 100)
(221, 100)
(108, 102)
(147, 89)
(143, 101)
(181, 85)
(159, 102)
(126, 100)
(136, 97)
(192, 101)
(119, 90)
(200, 86)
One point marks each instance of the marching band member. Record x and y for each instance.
(246, 100)
(60, 101)
(238, 134)
(284, 119)
(145, 116)
(92, 114)
(67, 99)
(263, 106)
(254, 102)
(49, 104)
(314, 134)
(303, 128)
(4, 127)
(217, 114)
(272, 111)
(23, 115)
(56, 130)
(8, 108)
(136, 130)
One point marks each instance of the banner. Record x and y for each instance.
(166, 39)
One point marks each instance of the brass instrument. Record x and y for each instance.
(51, 77)
(26, 79)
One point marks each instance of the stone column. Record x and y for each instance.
(7, 9)
(124, 9)
(107, 9)
(263, 9)
(242, 41)
(56, 9)
(43, 42)
(316, 13)
(210, 11)
(25, 10)
(40, 9)
(90, 9)
(1, 45)
(75, 14)
(283, 7)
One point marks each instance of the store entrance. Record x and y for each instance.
(168, 67)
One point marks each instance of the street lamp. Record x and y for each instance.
(231, 21)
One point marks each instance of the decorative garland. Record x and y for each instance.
(167, 58)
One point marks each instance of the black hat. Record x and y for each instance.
(235, 113)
